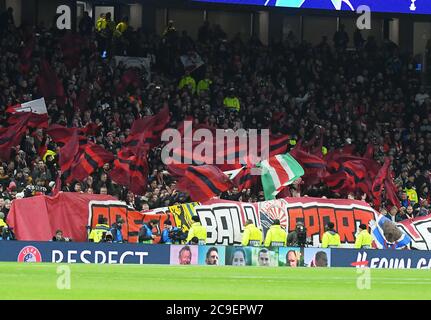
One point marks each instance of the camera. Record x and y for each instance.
(301, 232)
(177, 236)
(6, 233)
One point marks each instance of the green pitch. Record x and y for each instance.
(39, 281)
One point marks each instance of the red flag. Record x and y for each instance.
(278, 144)
(204, 182)
(131, 171)
(61, 134)
(69, 152)
(34, 120)
(369, 152)
(92, 158)
(49, 84)
(146, 132)
(348, 176)
(57, 187)
(391, 192)
(11, 136)
(244, 179)
(314, 166)
(379, 182)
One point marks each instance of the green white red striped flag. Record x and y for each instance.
(278, 172)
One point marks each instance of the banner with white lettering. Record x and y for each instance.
(381, 259)
(73, 252)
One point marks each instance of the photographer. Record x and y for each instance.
(59, 237)
(298, 237)
(5, 232)
(171, 234)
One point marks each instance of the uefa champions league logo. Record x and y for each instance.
(413, 6)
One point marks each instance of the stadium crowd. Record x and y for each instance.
(354, 92)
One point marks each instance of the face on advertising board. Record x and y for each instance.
(184, 255)
(290, 257)
(238, 256)
(212, 255)
(317, 257)
(265, 257)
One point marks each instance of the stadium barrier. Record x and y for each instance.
(113, 253)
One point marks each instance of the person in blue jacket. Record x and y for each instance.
(116, 231)
(146, 232)
(168, 232)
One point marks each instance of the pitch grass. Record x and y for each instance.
(90, 281)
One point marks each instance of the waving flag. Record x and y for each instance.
(387, 235)
(146, 132)
(379, 181)
(278, 172)
(92, 158)
(314, 166)
(11, 136)
(204, 182)
(131, 171)
(36, 106)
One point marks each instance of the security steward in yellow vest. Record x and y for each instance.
(198, 231)
(364, 238)
(98, 233)
(331, 239)
(276, 235)
(121, 27)
(252, 235)
(100, 23)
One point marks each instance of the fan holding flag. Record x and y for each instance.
(277, 172)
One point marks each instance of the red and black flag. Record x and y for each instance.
(92, 157)
(346, 177)
(11, 136)
(70, 153)
(131, 171)
(146, 132)
(379, 183)
(278, 144)
(391, 192)
(314, 166)
(244, 179)
(204, 182)
(34, 120)
(62, 135)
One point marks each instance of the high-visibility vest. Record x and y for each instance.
(276, 237)
(100, 24)
(198, 231)
(187, 81)
(232, 103)
(252, 236)
(331, 239)
(97, 233)
(120, 29)
(363, 240)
